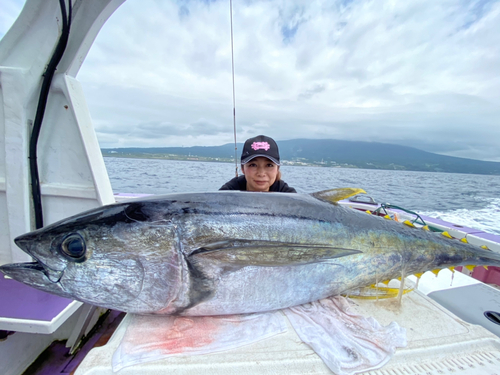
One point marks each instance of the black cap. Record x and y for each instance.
(260, 146)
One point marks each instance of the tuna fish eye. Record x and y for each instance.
(73, 246)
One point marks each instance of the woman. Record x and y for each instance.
(260, 164)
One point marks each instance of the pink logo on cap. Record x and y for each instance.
(261, 146)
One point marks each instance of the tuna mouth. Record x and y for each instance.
(37, 276)
(31, 272)
(23, 242)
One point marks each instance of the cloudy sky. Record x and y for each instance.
(421, 73)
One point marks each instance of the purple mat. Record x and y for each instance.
(488, 236)
(475, 232)
(20, 301)
(432, 220)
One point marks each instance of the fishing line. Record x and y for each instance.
(234, 102)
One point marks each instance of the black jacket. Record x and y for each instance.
(240, 183)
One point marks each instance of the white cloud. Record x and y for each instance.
(422, 73)
(9, 13)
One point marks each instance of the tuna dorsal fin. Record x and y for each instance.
(335, 195)
(266, 253)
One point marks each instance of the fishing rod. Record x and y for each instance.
(234, 101)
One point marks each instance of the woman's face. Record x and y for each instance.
(260, 174)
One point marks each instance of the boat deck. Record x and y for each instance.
(56, 359)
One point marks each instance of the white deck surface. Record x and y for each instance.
(438, 343)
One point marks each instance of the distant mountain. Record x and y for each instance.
(329, 153)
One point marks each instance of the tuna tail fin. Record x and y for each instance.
(335, 195)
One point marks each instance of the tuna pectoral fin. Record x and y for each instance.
(335, 195)
(263, 253)
(208, 265)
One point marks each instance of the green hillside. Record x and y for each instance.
(327, 153)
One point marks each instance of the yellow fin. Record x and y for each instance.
(386, 282)
(418, 275)
(368, 212)
(446, 234)
(464, 240)
(409, 223)
(484, 247)
(387, 217)
(372, 292)
(435, 272)
(486, 268)
(425, 227)
(470, 267)
(452, 268)
(335, 195)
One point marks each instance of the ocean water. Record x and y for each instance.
(469, 200)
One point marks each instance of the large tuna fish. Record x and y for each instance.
(227, 252)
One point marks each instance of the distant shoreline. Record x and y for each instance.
(325, 154)
(328, 153)
(218, 160)
(284, 162)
